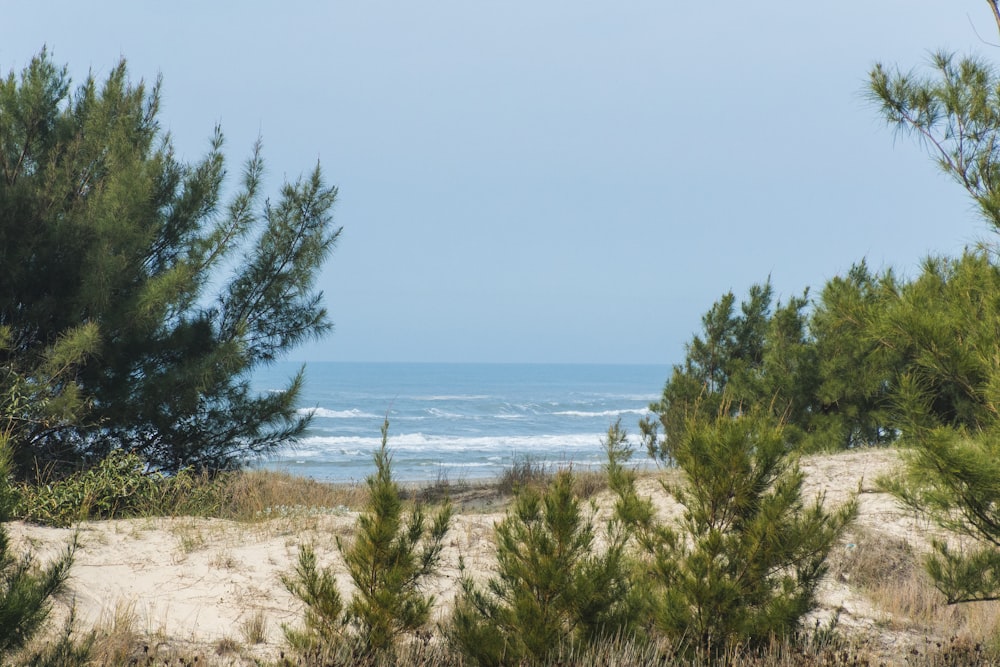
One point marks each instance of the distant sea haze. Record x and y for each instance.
(459, 421)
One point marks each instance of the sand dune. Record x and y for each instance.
(198, 581)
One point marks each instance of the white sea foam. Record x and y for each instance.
(324, 413)
(331, 446)
(601, 413)
(472, 419)
(455, 397)
(444, 414)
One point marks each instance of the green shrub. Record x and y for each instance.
(523, 471)
(742, 566)
(119, 486)
(552, 590)
(388, 561)
(25, 589)
(317, 588)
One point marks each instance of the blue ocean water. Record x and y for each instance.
(458, 421)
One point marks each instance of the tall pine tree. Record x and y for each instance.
(945, 324)
(167, 297)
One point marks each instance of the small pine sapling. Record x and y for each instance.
(317, 588)
(743, 565)
(388, 561)
(552, 588)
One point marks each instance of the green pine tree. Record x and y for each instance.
(388, 560)
(944, 327)
(26, 589)
(730, 346)
(125, 261)
(553, 587)
(744, 562)
(944, 324)
(857, 375)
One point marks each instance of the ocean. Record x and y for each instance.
(459, 421)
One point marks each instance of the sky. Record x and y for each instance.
(568, 181)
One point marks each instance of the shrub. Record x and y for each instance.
(552, 590)
(120, 485)
(744, 563)
(388, 562)
(523, 471)
(25, 589)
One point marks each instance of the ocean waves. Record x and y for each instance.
(421, 456)
(508, 413)
(319, 446)
(473, 420)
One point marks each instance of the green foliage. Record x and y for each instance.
(317, 588)
(523, 471)
(817, 366)
(956, 114)
(132, 298)
(388, 561)
(953, 476)
(945, 325)
(552, 590)
(940, 330)
(857, 374)
(25, 589)
(745, 561)
(119, 486)
(730, 346)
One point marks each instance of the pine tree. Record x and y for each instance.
(117, 254)
(730, 346)
(26, 590)
(744, 562)
(389, 560)
(857, 374)
(317, 589)
(553, 588)
(944, 324)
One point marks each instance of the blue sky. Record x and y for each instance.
(559, 181)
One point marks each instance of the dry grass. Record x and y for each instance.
(257, 495)
(890, 575)
(254, 628)
(888, 572)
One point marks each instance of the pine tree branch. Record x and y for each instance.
(996, 11)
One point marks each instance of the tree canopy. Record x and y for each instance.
(134, 300)
(944, 325)
(814, 363)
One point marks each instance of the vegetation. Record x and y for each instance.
(552, 589)
(814, 365)
(124, 387)
(743, 565)
(119, 486)
(730, 348)
(944, 325)
(388, 561)
(111, 250)
(26, 590)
